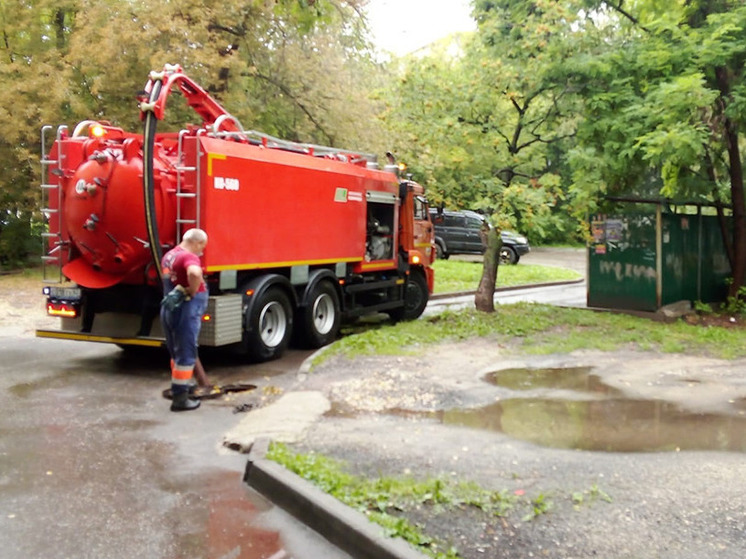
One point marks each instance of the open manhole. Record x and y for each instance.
(215, 391)
(573, 408)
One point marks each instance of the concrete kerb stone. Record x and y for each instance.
(285, 420)
(341, 525)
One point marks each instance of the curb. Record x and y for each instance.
(341, 525)
(438, 296)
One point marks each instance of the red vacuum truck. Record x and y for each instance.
(302, 237)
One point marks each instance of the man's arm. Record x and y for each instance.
(194, 276)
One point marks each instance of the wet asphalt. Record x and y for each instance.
(94, 465)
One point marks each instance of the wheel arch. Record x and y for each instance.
(442, 242)
(314, 278)
(259, 285)
(429, 274)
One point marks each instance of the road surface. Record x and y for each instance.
(94, 465)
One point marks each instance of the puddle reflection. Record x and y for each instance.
(231, 521)
(611, 425)
(567, 378)
(572, 408)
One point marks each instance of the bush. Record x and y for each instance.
(20, 240)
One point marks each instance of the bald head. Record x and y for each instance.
(194, 240)
(195, 236)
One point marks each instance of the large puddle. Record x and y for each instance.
(573, 408)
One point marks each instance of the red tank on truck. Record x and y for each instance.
(302, 237)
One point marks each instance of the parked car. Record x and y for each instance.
(458, 232)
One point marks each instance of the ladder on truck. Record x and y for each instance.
(346, 155)
(257, 138)
(52, 240)
(184, 219)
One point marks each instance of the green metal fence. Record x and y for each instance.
(648, 257)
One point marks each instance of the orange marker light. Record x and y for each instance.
(97, 131)
(206, 318)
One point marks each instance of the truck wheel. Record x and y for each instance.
(319, 321)
(268, 326)
(508, 256)
(415, 298)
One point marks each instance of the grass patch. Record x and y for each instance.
(380, 498)
(457, 275)
(544, 329)
(386, 500)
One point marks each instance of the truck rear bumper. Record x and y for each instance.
(84, 337)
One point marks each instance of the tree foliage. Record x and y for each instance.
(555, 104)
(485, 128)
(664, 99)
(299, 69)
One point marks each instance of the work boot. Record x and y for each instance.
(192, 386)
(182, 402)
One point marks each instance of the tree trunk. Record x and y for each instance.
(738, 264)
(725, 234)
(484, 300)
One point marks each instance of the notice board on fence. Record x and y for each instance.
(622, 262)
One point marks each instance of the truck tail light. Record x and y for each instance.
(64, 310)
(206, 318)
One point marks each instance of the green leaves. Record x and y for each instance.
(653, 99)
(492, 121)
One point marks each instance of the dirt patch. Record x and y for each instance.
(22, 306)
(716, 320)
(391, 420)
(453, 375)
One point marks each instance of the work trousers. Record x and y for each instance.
(181, 326)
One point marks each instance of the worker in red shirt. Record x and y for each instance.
(181, 313)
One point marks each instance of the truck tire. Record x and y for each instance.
(508, 256)
(415, 298)
(268, 325)
(318, 322)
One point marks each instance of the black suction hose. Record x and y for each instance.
(148, 181)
